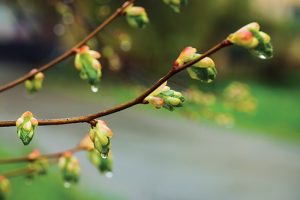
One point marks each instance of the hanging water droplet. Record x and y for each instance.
(67, 184)
(263, 51)
(109, 174)
(94, 88)
(104, 155)
(261, 54)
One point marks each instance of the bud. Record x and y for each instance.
(157, 102)
(38, 164)
(103, 165)
(204, 70)
(35, 83)
(257, 42)
(163, 96)
(26, 126)
(101, 135)
(86, 143)
(176, 4)
(70, 167)
(185, 56)
(88, 65)
(4, 187)
(136, 17)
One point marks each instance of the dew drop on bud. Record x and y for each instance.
(261, 55)
(109, 174)
(104, 155)
(94, 88)
(67, 184)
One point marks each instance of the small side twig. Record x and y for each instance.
(49, 156)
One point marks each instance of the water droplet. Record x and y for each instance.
(265, 52)
(94, 88)
(104, 155)
(67, 184)
(109, 174)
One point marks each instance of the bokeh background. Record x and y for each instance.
(236, 138)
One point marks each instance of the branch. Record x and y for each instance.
(18, 172)
(49, 156)
(71, 51)
(139, 100)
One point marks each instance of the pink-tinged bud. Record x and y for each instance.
(83, 49)
(34, 121)
(101, 135)
(34, 154)
(27, 114)
(27, 126)
(104, 128)
(252, 25)
(19, 121)
(40, 76)
(70, 167)
(157, 102)
(242, 37)
(94, 54)
(186, 55)
(86, 143)
(90, 68)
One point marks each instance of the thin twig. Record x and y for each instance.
(71, 51)
(49, 156)
(18, 172)
(139, 100)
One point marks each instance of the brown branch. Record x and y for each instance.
(18, 172)
(139, 100)
(71, 51)
(49, 156)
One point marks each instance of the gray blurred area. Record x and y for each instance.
(159, 156)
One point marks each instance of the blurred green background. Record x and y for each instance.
(242, 148)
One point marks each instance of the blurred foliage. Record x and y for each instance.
(200, 24)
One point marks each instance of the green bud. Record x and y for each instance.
(4, 187)
(104, 165)
(204, 70)
(70, 167)
(165, 97)
(100, 136)
(206, 75)
(264, 49)
(173, 101)
(26, 126)
(137, 17)
(38, 164)
(256, 41)
(88, 65)
(35, 83)
(176, 5)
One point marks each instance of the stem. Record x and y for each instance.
(71, 51)
(139, 100)
(49, 156)
(17, 172)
